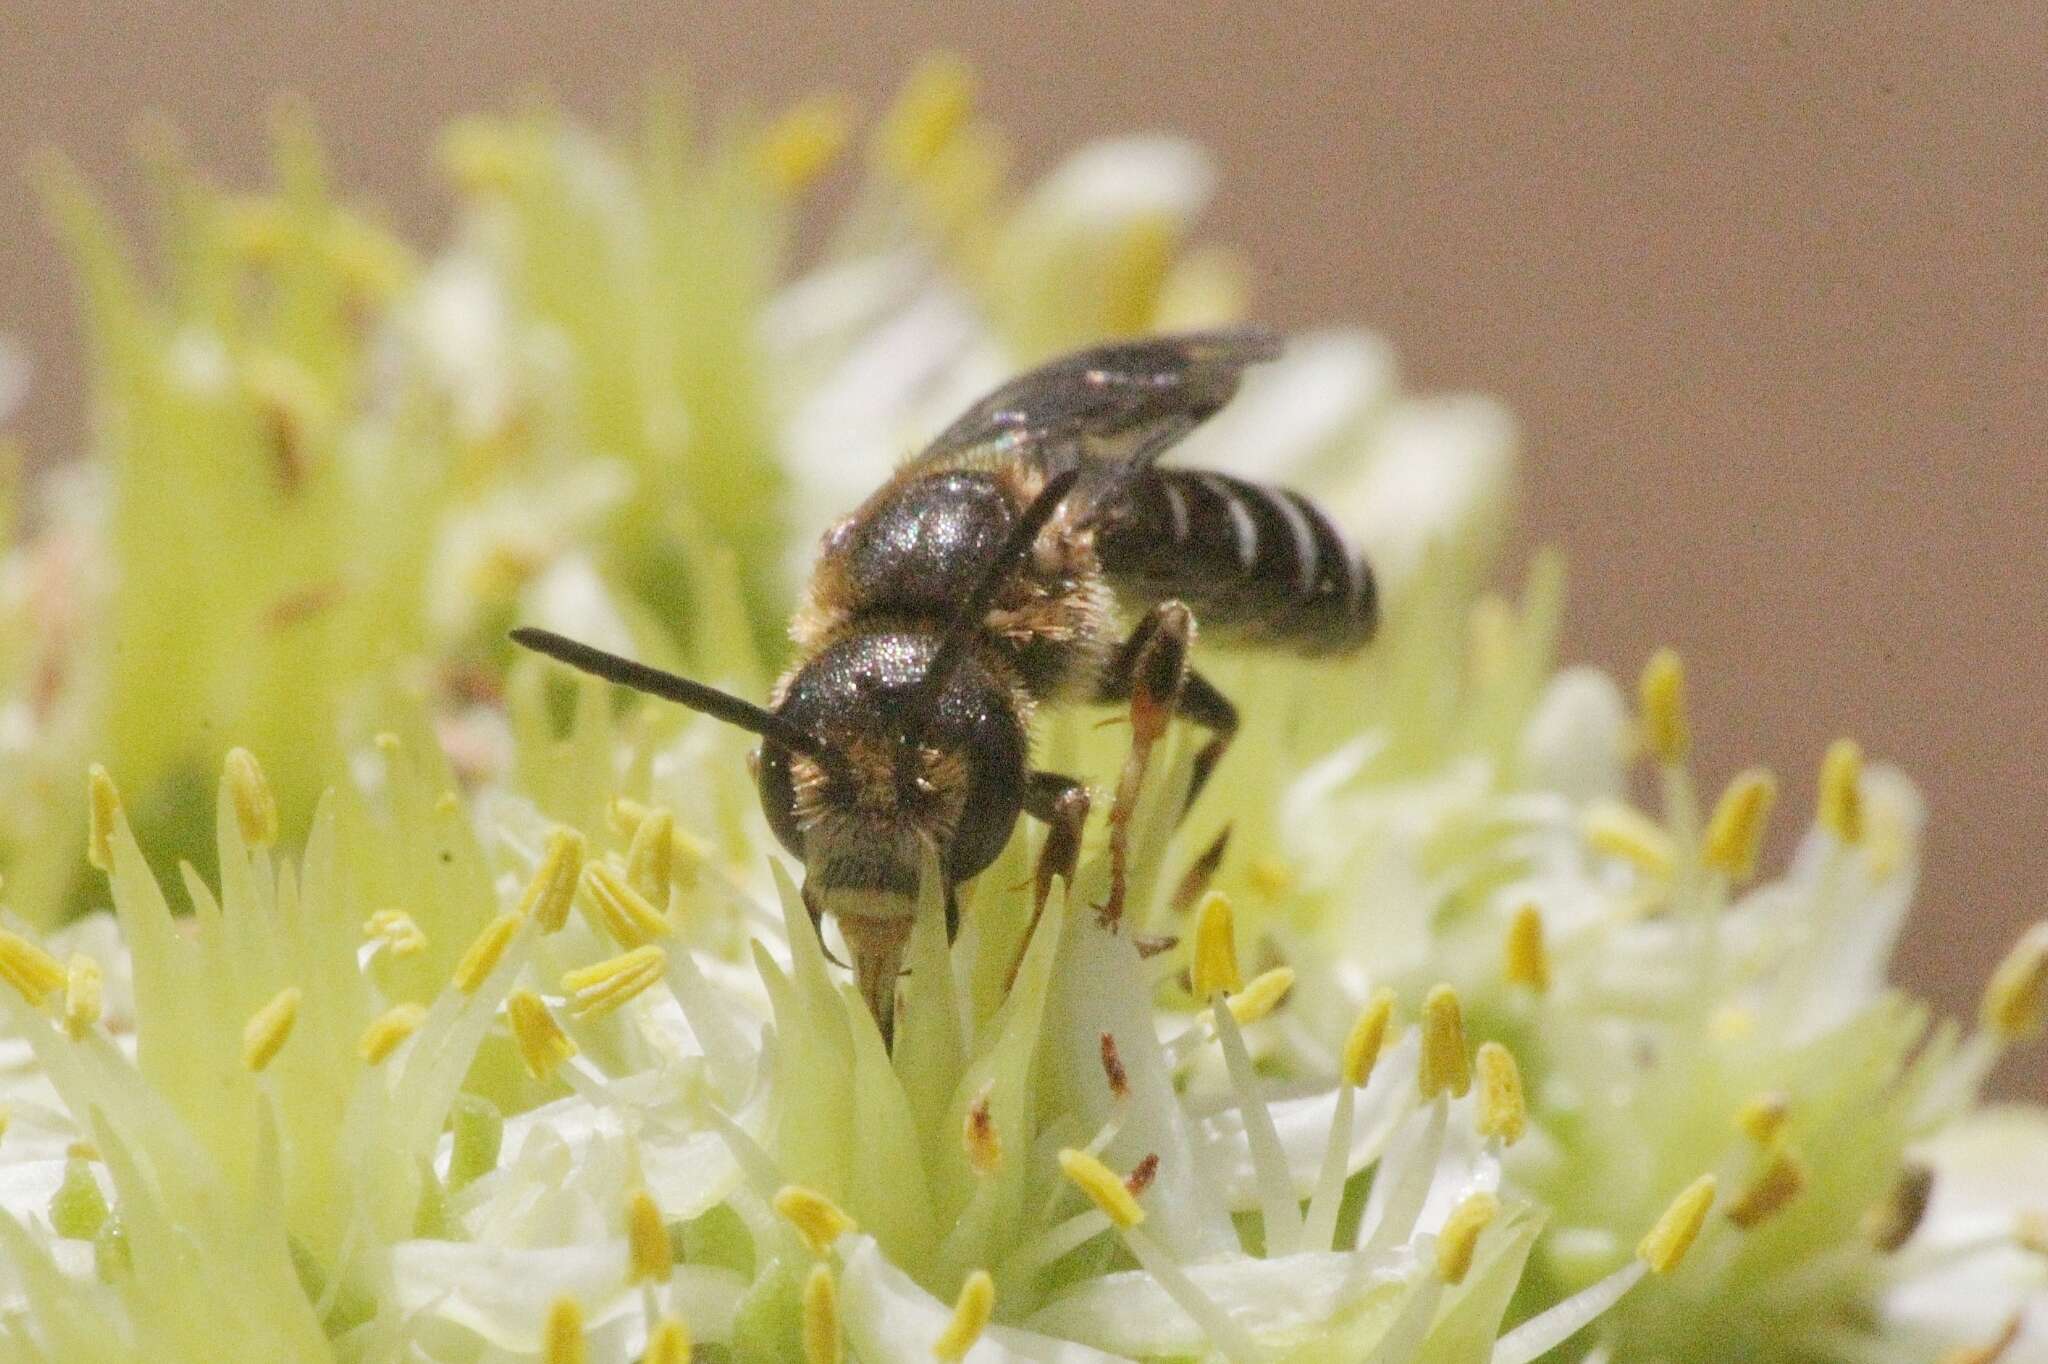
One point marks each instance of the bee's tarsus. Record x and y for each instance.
(1199, 873)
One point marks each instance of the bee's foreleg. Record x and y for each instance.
(1061, 803)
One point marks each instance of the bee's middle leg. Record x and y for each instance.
(1150, 671)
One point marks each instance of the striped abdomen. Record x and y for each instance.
(1258, 563)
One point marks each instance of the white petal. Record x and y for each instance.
(503, 1295)
(1128, 1312)
(890, 1320)
(1304, 1127)
(1576, 743)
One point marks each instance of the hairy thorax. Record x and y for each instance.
(910, 555)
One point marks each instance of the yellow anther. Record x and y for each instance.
(2015, 1003)
(669, 1343)
(1891, 1222)
(1490, 638)
(1368, 1036)
(1528, 956)
(1619, 831)
(447, 803)
(1731, 1023)
(1666, 1243)
(603, 986)
(1270, 877)
(249, 789)
(624, 815)
(483, 156)
(6, 1117)
(799, 146)
(1736, 831)
(542, 1043)
(1215, 965)
(1102, 1186)
(816, 1218)
(388, 1030)
(627, 916)
(484, 954)
(1763, 1118)
(372, 262)
(821, 1317)
(1503, 1111)
(934, 105)
(264, 1035)
(553, 885)
(1143, 254)
(82, 982)
(1460, 1236)
(561, 1338)
(651, 1258)
(1661, 695)
(1990, 1351)
(971, 1311)
(398, 932)
(257, 228)
(1841, 791)
(2030, 1230)
(104, 809)
(1261, 995)
(81, 1150)
(978, 1134)
(34, 973)
(1781, 1180)
(651, 856)
(1445, 1067)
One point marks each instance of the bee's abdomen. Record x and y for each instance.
(1262, 564)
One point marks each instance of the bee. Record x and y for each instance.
(984, 581)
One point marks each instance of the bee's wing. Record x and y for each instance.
(1108, 411)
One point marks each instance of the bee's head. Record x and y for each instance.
(862, 815)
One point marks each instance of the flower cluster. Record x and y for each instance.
(480, 1021)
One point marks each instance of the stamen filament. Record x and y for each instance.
(1278, 1206)
(1416, 1161)
(1547, 1330)
(1223, 1332)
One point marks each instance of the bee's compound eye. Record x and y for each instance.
(993, 804)
(777, 786)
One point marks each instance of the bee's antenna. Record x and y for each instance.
(710, 701)
(966, 622)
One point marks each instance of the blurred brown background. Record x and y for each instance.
(1768, 290)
